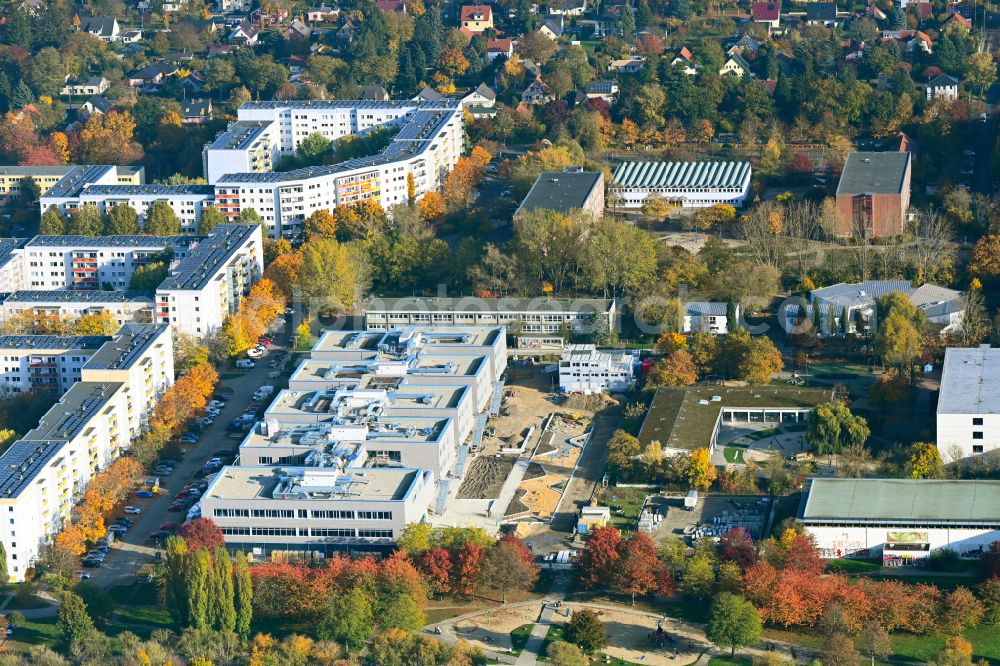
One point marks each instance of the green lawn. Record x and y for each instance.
(26, 603)
(847, 566)
(726, 661)
(519, 637)
(944, 582)
(734, 454)
(625, 503)
(833, 368)
(34, 632)
(148, 616)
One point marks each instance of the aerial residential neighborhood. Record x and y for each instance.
(412, 333)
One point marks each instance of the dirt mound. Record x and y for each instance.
(485, 477)
(516, 505)
(589, 403)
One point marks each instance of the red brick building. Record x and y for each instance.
(873, 195)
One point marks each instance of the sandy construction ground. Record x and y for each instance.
(628, 638)
(492, 630)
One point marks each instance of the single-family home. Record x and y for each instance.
(196, 111)
(605, 90)
(685, 61)
(552, 27)
(95, 85)
(147, 76)
(631, 65)
(131, 36)
(428, 94)
(766, 13)
(821, 13)
(392, 6)
(322, 14)
(476, 19)
(345, 33)
(745, 46)
(233, 6)
(736, 66)
(297, 32)
(96, 104)
(536, 93)
(874, 12)
(245, 34)
(499, 47)
(374, 92)
(708, 317)
(959, 19)
(942, 86)
(481, 96)
(104, 28)
(569, 8)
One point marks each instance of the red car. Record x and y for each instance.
(168, 526)
(264, 341)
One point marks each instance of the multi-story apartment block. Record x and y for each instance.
(46, 363)
(86, 262)
(68, 304)
(46, 471)
(11, 267)
(207, 286)
(538, 325)
(265, 509)
(427, 145)
(13, 179)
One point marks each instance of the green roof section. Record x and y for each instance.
(874, 173)
(901, 501)
(681, 174)
(686, 418)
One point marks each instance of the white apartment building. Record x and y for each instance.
(427, 146)
(968, 411)
(537, 324)
(85, 262)
(708, 317)
(204, 288)
(583, 369)
(11, 269)
(46, 363)
(278, 509)
(68, 304)
(901, 521)
(43, 474)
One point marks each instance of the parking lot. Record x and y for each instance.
(712, 516)
(138, 546)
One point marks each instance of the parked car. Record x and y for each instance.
(134, 510)
(206, 420)
(143, 493)
(92, 564)
(84, 575)
(168, 526)
(188, 438)
(159, 536)
(221, 397)
(245, 364)
(215, 404)
(255, 353)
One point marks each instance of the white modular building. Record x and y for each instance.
(682, 184)
(204, 288)
(44, 474)
(322, 511)
(584, 369)
(968, 410)
(901, 521)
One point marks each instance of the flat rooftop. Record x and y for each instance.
(685, 418)
(423, 365)
(35, 170)
(209, 256)
(52, 342)
(412, 429)
(138, 242)
(874, 173)
(309, 483)
(240, 135)
(901, 501)
(474, 305)
(74, 296)
(419, 338)
(970, 381)
(73, 411)
(320, 104)
(561, 191)
(126, 346)
(408, 396)
(150, 190)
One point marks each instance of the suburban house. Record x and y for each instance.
(707, 317)
(605, 90)
(873, 194)
(195, 111)
(499, 47)
(745, 46)
(536, 93)
(942, 86)
(766, 13)
(95, 85)
(374, 92)
(96, 104)
(104, 28)
(685, 60)
(392, 6)
(568, 8)
(959, 19)
(322, 14)
(552, 27)
(481, 96)
(631, 65)
(130, 36)
(245, 34)
(476, 19)
(736, 66)
(821, 13)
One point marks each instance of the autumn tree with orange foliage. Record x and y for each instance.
(284, 273)
(431, 206)
(107, 139)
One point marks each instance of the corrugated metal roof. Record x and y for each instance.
(902, 501)
(682, 174)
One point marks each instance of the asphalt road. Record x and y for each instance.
(589, 471)
(135, 548)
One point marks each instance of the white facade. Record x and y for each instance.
(203, 289)
(682, 184)
(429, 143)
(583, 369)
(707, 317)
(266, 509)
(43, 474)
(245, 147)
(968, 411)
(45, 363)
(60, 305)
(901, 521)
(187, 201)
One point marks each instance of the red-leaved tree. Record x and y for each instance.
(202, 533)
(737, 546)
(436, 566)
(597, 562)
(639, 570)
(467, 568)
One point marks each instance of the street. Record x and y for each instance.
(135, 549)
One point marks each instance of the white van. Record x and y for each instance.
(245, 364)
